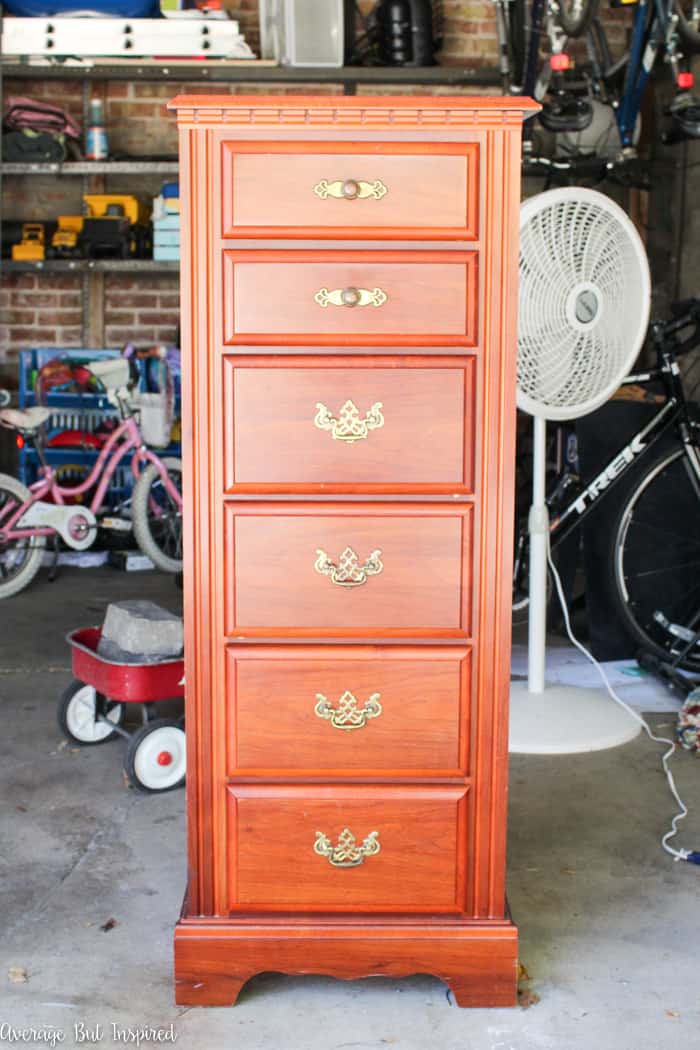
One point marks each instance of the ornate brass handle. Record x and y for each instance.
(347, 853)
(348, 426)
(347, 715)
(351, 297)
(350, 189)
(348, 572)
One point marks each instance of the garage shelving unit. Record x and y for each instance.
(213, 71)
(252, 71)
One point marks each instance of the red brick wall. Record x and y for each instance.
(141, 311)
(40, 312)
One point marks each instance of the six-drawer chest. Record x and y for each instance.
(349, 305)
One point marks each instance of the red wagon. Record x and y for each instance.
(92, 708)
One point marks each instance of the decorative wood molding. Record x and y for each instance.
(338, 112)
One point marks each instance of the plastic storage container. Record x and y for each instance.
(303, 32)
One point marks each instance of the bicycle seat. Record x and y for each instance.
(113, 373)
(566, 112)
(25, 419)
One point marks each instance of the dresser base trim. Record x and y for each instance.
(214, 960)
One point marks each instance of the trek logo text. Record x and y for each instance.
(607, 476)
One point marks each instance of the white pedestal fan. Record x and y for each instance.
(583, 315)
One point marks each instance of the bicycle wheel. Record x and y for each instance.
(20, 560)
(156, 518)
(574, 15)
(655, 554)
(688, 12)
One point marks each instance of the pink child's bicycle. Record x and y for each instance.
(28, 516)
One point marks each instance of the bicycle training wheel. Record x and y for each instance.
(20, 559)
(574, 15)
(156, 518)
(656, 555)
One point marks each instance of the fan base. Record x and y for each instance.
(566, 720)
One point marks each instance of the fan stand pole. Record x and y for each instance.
(555, 719)
(538, 527)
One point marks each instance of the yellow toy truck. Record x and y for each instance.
(64, 243)
(31, 248)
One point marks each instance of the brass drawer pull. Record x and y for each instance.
(347, 715)
(350, 189)
(348, 426)
(347, 854)
(348, 572)
(351, 297)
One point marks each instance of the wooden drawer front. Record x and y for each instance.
(320, 424)
(347, 710)
(279, 582)
(274, 189)
(417, 298)
(419, 865)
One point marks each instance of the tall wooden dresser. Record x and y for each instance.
(349, 303)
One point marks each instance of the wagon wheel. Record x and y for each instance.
(79, 711)
(155, 757)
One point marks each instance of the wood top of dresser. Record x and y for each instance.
(352, 110)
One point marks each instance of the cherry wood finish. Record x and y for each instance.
(424, 445)
(259, 897)
(273, 588)
(477, 960)
(268, 190)
(418, 868)
(422, 730)
(269, 298)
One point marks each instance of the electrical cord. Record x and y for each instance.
(692, 856)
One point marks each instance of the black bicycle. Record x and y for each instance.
(654, 547)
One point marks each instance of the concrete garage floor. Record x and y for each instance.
(608, 924)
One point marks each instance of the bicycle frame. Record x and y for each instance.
(125, 439)
(673, 413)
(644, 48)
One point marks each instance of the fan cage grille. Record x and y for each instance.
(566, 367)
